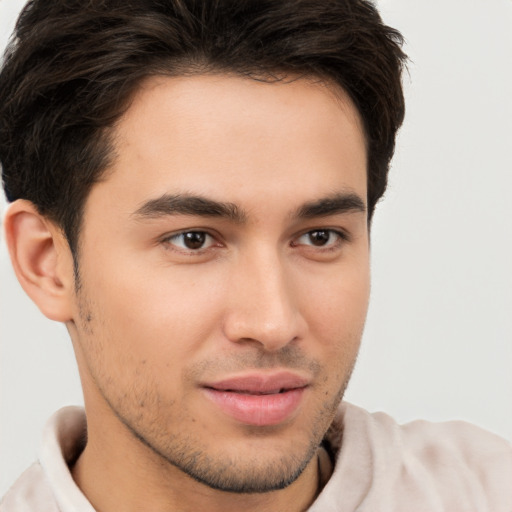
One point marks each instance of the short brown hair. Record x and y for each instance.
(72, 66)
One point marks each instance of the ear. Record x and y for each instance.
(42, 260)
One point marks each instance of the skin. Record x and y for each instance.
(153, 319)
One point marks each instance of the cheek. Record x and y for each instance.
(337, 304)
(159, 315)
(336, 311)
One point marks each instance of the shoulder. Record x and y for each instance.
(421, 466)
(48, 486)
(431, 443)
(30, 492)
(484, 455)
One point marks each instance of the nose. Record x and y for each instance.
(263, 304)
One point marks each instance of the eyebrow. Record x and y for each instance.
(332, 205)
(186, 204)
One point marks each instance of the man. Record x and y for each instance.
(192, 185)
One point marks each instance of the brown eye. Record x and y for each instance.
(191, 240)
(194, 239)
(319, 238)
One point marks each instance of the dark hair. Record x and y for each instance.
(73, 65)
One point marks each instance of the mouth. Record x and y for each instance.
(258, 399)
(256, 393)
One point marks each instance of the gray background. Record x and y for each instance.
(438, 342)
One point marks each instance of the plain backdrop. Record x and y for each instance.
(438, 341)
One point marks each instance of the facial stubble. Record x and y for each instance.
(143, 414)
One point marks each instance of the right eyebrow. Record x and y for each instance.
(186, 204)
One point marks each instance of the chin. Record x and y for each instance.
(249, 476)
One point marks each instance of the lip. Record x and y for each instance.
(258, 399)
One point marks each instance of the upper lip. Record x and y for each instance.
(260, 382)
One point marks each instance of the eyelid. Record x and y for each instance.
(341, 234)
(166, 240)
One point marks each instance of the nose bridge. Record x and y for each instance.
(263, 308)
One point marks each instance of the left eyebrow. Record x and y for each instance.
(332, 205)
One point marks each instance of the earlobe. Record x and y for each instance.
(41, 259)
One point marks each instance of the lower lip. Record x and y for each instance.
(258, 410)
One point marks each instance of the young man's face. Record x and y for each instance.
(224, 277)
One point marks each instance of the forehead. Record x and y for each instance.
(236, 139)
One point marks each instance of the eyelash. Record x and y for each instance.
(169, 240)
(340, 238)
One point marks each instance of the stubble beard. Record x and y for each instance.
(193, 456)
(240, 476)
